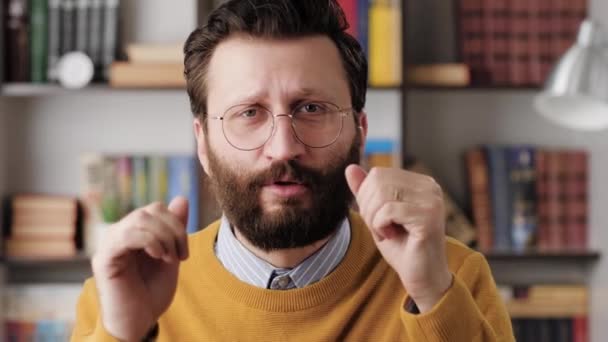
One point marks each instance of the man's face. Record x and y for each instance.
(283, 194)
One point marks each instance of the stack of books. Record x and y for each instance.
(516, 42)
(42, 226)
(529, 198)
(39, 32)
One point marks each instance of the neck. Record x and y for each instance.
(283, 258)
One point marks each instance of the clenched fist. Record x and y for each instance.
(136, 267)
(405, 213)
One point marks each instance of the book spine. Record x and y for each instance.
(363, 25)
(580, 327)
(534, 43)
(124, 179)
(518, 33)
(385, 44)
(520, 163)
(82, 10)
(576, 164)
(183, 182)
(158, 177)
(555, 201)
(17, 42)
(499, 190)
(472, 26)
(545, 37)
(542, 212)
(110, 35)
(140, 181)
(53, 37)
(350, 11)
(94, 37)
(477, 168)
(67, 26)
(38, 40)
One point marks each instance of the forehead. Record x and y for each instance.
(244, 68)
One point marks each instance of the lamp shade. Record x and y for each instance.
(576, 93)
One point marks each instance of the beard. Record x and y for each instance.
(295, 223)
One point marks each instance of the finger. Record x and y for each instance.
(394, 218)
(179, 208)
(134, 239)
(355, 175)
(163, 233)
(176, 226)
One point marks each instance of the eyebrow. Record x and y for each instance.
(256, 95)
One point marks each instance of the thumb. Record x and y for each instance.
(355, 175)
(179, 208)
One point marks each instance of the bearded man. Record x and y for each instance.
(277, 89)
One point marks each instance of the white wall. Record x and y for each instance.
(49, 134)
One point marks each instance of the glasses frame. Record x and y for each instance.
(343, 112)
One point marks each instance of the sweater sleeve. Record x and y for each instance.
(471, 310)
(88, 327)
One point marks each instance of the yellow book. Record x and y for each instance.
(385, 61)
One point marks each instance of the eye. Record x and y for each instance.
(249, 113)
(311, 108)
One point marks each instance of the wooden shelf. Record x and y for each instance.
(578, 256)
(31, 89)
(473, 88)
(22, 270)
(572, 267)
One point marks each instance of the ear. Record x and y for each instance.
(201, 143)
(363, 128)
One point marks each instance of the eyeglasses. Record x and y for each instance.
(315, 124)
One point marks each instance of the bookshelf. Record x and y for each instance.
(434, 124)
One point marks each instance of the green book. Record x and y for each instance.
(38, 40)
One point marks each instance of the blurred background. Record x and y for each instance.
(95, 121)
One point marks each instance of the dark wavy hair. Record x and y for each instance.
(274, 19)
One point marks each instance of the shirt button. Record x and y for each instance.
(283, 282)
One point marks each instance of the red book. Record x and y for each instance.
(479, 188)
(555, 203)
(350, 11)
(534, 43)
(496, 44)
(576, 203)
(545, 36)
(519, 39)
(471, 42)
(580, 329)
(542, 178)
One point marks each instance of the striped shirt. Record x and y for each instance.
(255, 271)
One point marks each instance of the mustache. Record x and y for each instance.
(287, 169)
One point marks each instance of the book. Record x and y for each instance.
(350, 12)
(132, 75)
(68, 35)
(155, 53)
(94, 40)
(522, 187)
(576, 198)
(479, 187)
(385, 54)
(53, 38)
(38, 40)
(17, 66)
(110, 9)
(183, 181)
(444, 75)
(140, 181)
(363, 25)
(499, 195)
(157, 178)
(81, 26)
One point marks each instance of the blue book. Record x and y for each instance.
(522, 194)
(183, 181)
(499, 196)
(362, 25)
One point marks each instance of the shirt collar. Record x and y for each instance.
(249, 268)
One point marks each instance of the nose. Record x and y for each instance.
(283, 144)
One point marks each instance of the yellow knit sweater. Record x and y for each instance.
(361, 300)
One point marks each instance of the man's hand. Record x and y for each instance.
(405, 213)
(136, 267)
